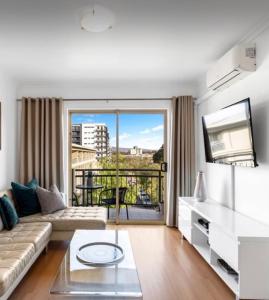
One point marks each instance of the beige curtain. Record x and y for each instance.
(41, 141)
(181, 154)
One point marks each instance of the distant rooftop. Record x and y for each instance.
(84, 148)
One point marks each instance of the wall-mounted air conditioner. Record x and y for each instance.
(234, 65)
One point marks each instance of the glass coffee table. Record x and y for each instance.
(78, 280)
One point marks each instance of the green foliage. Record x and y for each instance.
(136, 180)
(158, 156)
(128, 162)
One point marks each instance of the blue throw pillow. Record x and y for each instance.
(32, 184)
(26, 198)
(8, 213)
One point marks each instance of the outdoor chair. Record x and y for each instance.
(75, 199)
(108, 198)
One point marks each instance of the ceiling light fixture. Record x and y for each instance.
(97, 19)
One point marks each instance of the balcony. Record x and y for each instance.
(144, 197)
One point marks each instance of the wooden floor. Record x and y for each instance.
(169, 268)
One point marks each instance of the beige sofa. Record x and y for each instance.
(21, 246)
(65, 222)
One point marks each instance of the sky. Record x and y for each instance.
(143, 130)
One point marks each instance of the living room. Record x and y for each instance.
(134, 149)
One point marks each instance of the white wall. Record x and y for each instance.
(251, 186)
(8, 162)
(112, 89)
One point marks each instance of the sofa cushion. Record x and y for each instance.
(50, 200)
(72, 218)
(36, 233)
(13, 259)
(8, 213)
(26, 198)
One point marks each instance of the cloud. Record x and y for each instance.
(146, 131)
(153, 142)
(124, 136)
(157, 128)
(153, 129)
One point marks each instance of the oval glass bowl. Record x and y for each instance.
(100, 254)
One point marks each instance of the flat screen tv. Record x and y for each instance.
(228, 136)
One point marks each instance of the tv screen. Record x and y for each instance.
(228, 135)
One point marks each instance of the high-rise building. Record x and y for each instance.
(76, 134)
(92, 135)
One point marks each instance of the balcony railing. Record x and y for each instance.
(145, 186)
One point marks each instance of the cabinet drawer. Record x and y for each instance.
(184, 220)
(224, 245)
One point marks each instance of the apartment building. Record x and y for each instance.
(83, 157)
(136, 151)
(92, 135)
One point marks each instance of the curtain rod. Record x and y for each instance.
(115, 99)
(110, 99)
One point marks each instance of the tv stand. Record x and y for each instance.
(240, 241)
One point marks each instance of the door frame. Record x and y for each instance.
(117, 112)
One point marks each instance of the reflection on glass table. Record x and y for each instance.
(78, 280)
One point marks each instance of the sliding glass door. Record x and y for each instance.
(141, 152)
(117, 162)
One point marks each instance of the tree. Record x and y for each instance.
(158, 156)
(140, 179)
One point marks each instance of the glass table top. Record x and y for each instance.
(77, 279)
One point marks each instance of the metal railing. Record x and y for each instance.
(145, 186)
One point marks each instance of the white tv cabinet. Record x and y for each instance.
(241, 241)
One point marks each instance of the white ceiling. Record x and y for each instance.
(163, 40)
